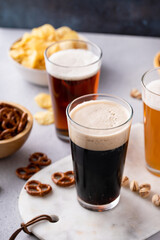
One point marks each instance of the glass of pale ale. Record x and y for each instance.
(151, 106)
(99, 127)
(73, 68)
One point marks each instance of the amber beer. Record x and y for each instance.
(152, 136)
(99, 128)
(151, 106)
(71, 73)
(64, 91)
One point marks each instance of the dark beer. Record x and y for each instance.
(98, 173)
(99, 131)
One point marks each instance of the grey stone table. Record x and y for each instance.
(125, 59)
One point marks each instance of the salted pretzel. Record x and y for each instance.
(63, 179)
(36, 188)
(26, 172)
(39, 159)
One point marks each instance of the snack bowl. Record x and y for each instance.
(35, 76)
(13, 144)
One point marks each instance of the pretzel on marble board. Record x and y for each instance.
(26, 172)
(63, 179)
(36, 188)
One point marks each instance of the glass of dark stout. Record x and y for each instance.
(73, 68)
(99, 127)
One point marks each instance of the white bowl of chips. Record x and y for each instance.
(27, 53)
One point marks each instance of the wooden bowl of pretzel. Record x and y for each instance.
(15, 126)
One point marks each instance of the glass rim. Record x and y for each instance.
(143, 78)
(103, 95)
(75, 40)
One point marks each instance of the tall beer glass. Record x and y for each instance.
(99, 127)
(73, 68)
(151, 106)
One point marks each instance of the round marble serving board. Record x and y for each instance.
(133, 218)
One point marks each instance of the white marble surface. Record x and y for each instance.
(125, 59)
(132, 219)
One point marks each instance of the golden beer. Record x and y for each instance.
(152, 136)
(151, 106)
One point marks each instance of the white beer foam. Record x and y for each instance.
(150, 97)
(75, 62)
(103, 117)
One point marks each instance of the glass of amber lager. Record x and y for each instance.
(73, 68)
(151, 106)
(99, 127)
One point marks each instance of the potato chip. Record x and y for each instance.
(43, 100)
(21, 42)
(54, 48)
(29, 50)
(17, 54)
(44, 118)
(60, 32)
(30, 61)
(45, 31)
(70, 35)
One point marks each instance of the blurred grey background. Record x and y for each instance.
(131, 17)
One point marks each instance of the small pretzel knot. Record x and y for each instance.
(22, 122)
(39, 159)
(63, 179)
(9, 124)
(5, 113)
(7, 119)
(36, 188)
(6, 134)
(26, 172)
